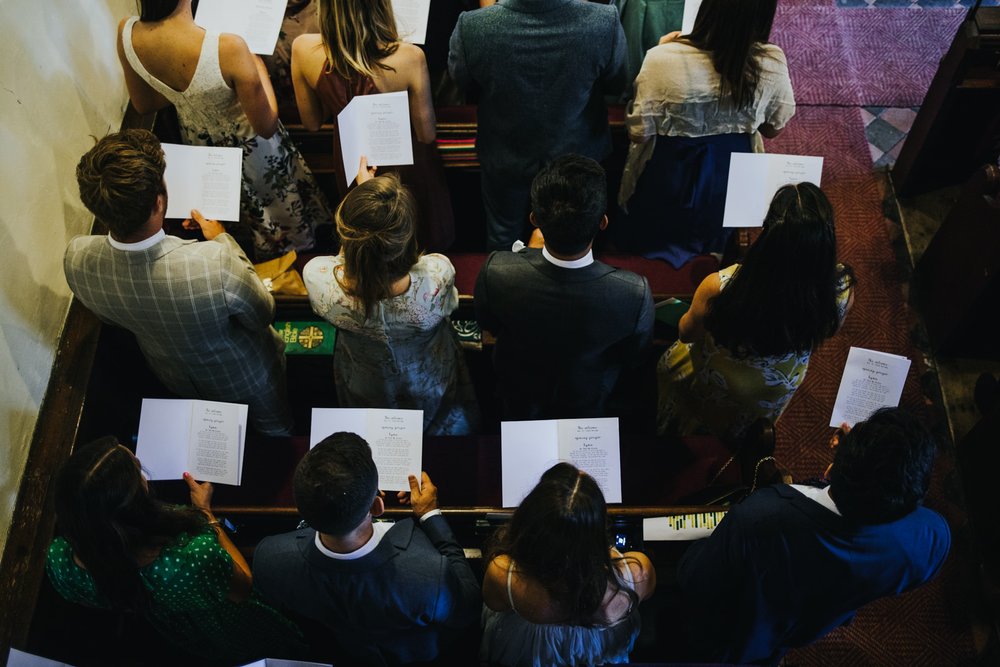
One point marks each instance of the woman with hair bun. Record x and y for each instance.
(555, 592)
(122, 549)
(396, 347)
(745, 344)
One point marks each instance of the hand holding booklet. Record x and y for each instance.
(871, 380)
(395, 436)
(206, 178)
(205, 438)
(529, 448)
(378, 127)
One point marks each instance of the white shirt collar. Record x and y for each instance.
(818, 494)
(586, 260)
(379, 529)
(144, 244)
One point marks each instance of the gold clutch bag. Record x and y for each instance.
(280, 277)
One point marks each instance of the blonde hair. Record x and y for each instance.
(357, 35)
(376, 223)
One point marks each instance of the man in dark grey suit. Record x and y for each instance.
(387, 593)
(542, 68)
(201, 315)
(566, 325)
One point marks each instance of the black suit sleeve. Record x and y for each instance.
(642, 336)
(459, 598)
(487, 320)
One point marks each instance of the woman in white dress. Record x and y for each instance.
(396, 347)
(223, 97)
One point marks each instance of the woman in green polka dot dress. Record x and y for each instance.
(122, 549)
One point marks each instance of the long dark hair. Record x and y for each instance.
(734, 32)
(107, 515)
(783, 297)
(376, 223)
(156, 10)
(558, 536)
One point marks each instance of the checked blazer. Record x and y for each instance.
(201, 316)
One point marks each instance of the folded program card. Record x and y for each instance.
(529, 448)
(207, 178)
(871, 380)
(378, 127)
(258, 22)
(755, 177)
(411, 19)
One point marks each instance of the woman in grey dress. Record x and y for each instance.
(395, 344)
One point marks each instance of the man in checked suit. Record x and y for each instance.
(566, 325)
(201, 315)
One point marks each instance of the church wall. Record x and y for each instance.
(60, 83)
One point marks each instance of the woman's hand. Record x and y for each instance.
(365, 172)
(201, 494)
(670, 36)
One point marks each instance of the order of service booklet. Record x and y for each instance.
(871, 380)
(258, 22)
(529, 448)
(755, 177)
(378, 127)
(395, 436)
(204, 438)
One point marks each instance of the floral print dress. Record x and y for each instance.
(407, 356)
(280, 201)
(704, 388)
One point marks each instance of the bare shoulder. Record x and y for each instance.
(232, 45)
(643, 573)
(406, 59)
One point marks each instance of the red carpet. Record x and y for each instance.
(854, 56)
(929, 626)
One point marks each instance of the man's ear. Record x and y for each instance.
(378, 506)
(604, 223)
(531, 219)
(160, 206)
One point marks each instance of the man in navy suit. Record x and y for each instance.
(541, 68)
(791, 563)
(386, 593)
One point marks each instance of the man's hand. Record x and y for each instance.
(201, 494)
(670, 36)
(209, 228)
(365, 172)
(537, 240)
(423, 497)
(844, 429)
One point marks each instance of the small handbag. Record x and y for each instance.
(280, 276)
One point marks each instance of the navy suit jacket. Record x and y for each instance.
(542, 68)
(563, 335)
(781, 571)
(391, 606)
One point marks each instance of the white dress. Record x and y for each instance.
(280, 202)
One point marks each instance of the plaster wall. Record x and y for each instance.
(60, 84)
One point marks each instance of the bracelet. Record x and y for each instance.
(215, 522)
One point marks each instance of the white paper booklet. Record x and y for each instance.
(395, 436)
(411, 19)
(204, 438)
(206, 178)
(258, 22)
(871, 380)
(529, 448)
(279, 662)
(690, 14)
(21, 659)
(378, 127)
(755, 177)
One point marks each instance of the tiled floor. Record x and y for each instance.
(914, 3)
(886, 128)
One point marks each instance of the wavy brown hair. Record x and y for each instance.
(357, 35)
(376, 224)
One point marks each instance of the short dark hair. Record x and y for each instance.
(335, 484)
(120, 179)
(882, 467)
(569, 197)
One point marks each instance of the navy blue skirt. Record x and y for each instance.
(676, 210)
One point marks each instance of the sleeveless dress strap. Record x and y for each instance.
(510, 595)
(209, 51)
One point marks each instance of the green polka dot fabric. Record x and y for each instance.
(189, 583)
